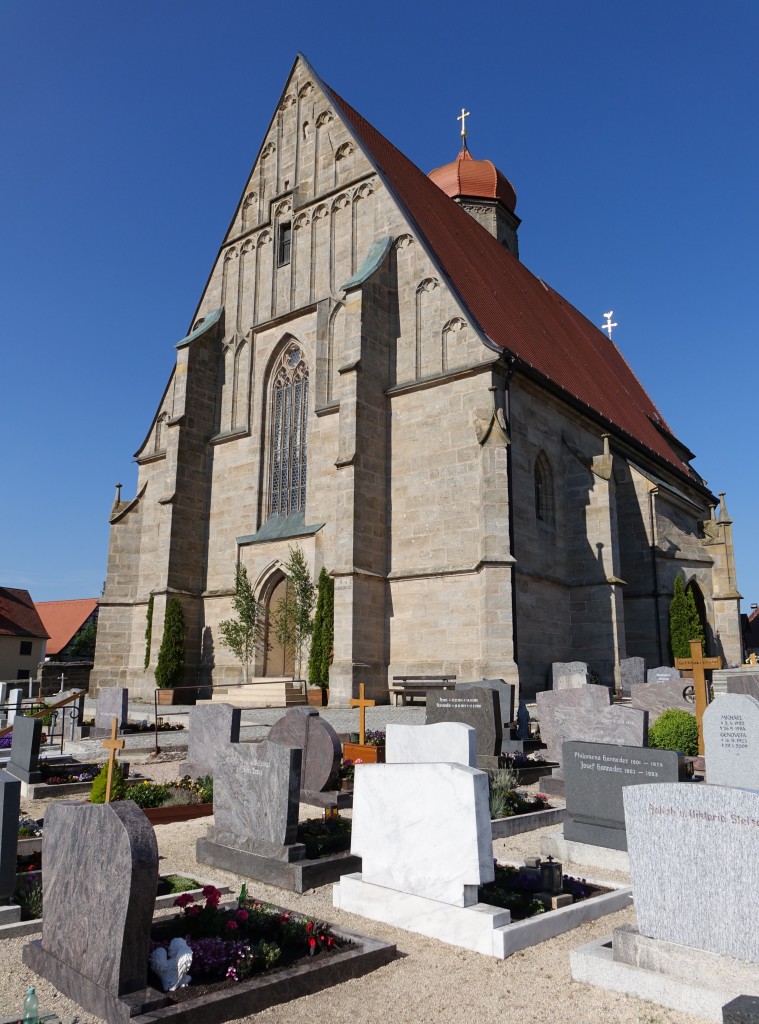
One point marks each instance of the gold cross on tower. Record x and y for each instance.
(697, 662)
(362, 704)
(462, 117)
(112, 745)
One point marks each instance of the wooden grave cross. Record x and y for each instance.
(752, 659)
(112, 745)
(697, 663)
(362, 704)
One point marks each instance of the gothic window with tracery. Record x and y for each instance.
(543, 489)
(289, 406)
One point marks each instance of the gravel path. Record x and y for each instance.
(428, 981)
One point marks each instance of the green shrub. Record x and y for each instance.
(147, 794)
(181, 883)
(323, 633)
(675, 730)
(118, 785)
(170, 663)
(28, 896)
(684, 622)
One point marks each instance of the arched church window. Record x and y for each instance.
(543, 489)
(289, 406)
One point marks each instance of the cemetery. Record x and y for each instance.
(486, 861)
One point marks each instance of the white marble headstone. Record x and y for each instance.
(731, 741)
(423, 829)
(694, 858)
(453, 742)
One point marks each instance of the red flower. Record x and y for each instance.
(309, 927)
(231, 926)
(184, 899)
(312, 944)
(242, 915)
(330, 942)
(193, 911)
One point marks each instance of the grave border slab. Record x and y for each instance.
(296, 876)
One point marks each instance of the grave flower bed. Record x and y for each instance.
(516, 890)
(322, 836)
(506, 800)
(231, 944)
(63, 775)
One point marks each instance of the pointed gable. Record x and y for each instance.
(516, 311)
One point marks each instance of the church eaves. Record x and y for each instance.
(515, 310)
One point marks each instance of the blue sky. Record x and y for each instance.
(629, 132)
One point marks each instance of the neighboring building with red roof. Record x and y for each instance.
(22, 635)
(373, 375)
(63, 620)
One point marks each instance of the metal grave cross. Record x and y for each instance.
(697, 663)
(609, 325)
(112, 745)
(462, 117)
(362, 704)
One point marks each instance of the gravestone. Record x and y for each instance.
(25, 749)
(736, 680)
(595, 775)
(212, 727)
(10, 805)
(303, 727)
(505, 693)
(587, 714)
(256, 791)
(97, 918)
(15, 697)
(112, 702)
(632, 673)
(656, 698)
(451, 742)
(731, 741)
(568, 675)
(663, 674)
(693, 858)
(479, 707)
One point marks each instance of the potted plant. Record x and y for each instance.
(322, 641)
(170, 664)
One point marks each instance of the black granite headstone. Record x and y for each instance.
(479, 707)
(505, 692)
(741, 1010)
(594, 777)
(25, 749)
(10, 804)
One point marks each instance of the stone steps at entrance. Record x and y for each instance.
(260, 693)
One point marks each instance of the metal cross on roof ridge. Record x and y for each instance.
(462, 117)
(608, 325)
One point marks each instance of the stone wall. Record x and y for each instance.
(76, 673)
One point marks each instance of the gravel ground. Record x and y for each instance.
(428, 981)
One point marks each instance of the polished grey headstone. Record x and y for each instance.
(742, 1010)
(694, 853)
(567, 675)
(257, 791)
(101, 873)
(25, 749)
(10, 805)
(663, 674)
(112, 702)
(632, 673)
(303, 727)
(736, 680)
(731, 741)
(478, 706)
(656, 698)
(586, 713)
(505, 693)
(594, 777)
(211, 728)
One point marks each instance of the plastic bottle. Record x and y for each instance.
(31, 1008)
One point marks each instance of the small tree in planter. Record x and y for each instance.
(684, 622)
(170, 664)
(148, 632)
(292, 621)
(323, 632)
(245, 633)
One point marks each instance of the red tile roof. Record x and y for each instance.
(64, 619)
(466, 176)
(18, 616)
(516, 310)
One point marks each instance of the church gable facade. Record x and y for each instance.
(339, 390)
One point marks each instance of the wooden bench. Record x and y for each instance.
(408, 687)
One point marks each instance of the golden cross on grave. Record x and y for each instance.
(697, 662)
(112, 745)
(462, 117)
(362, 704)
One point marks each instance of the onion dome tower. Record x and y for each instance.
(483, 191)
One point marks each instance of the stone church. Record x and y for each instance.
(372, 374)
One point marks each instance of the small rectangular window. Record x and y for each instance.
(283, 244)
(23, 673)
(25, 647)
